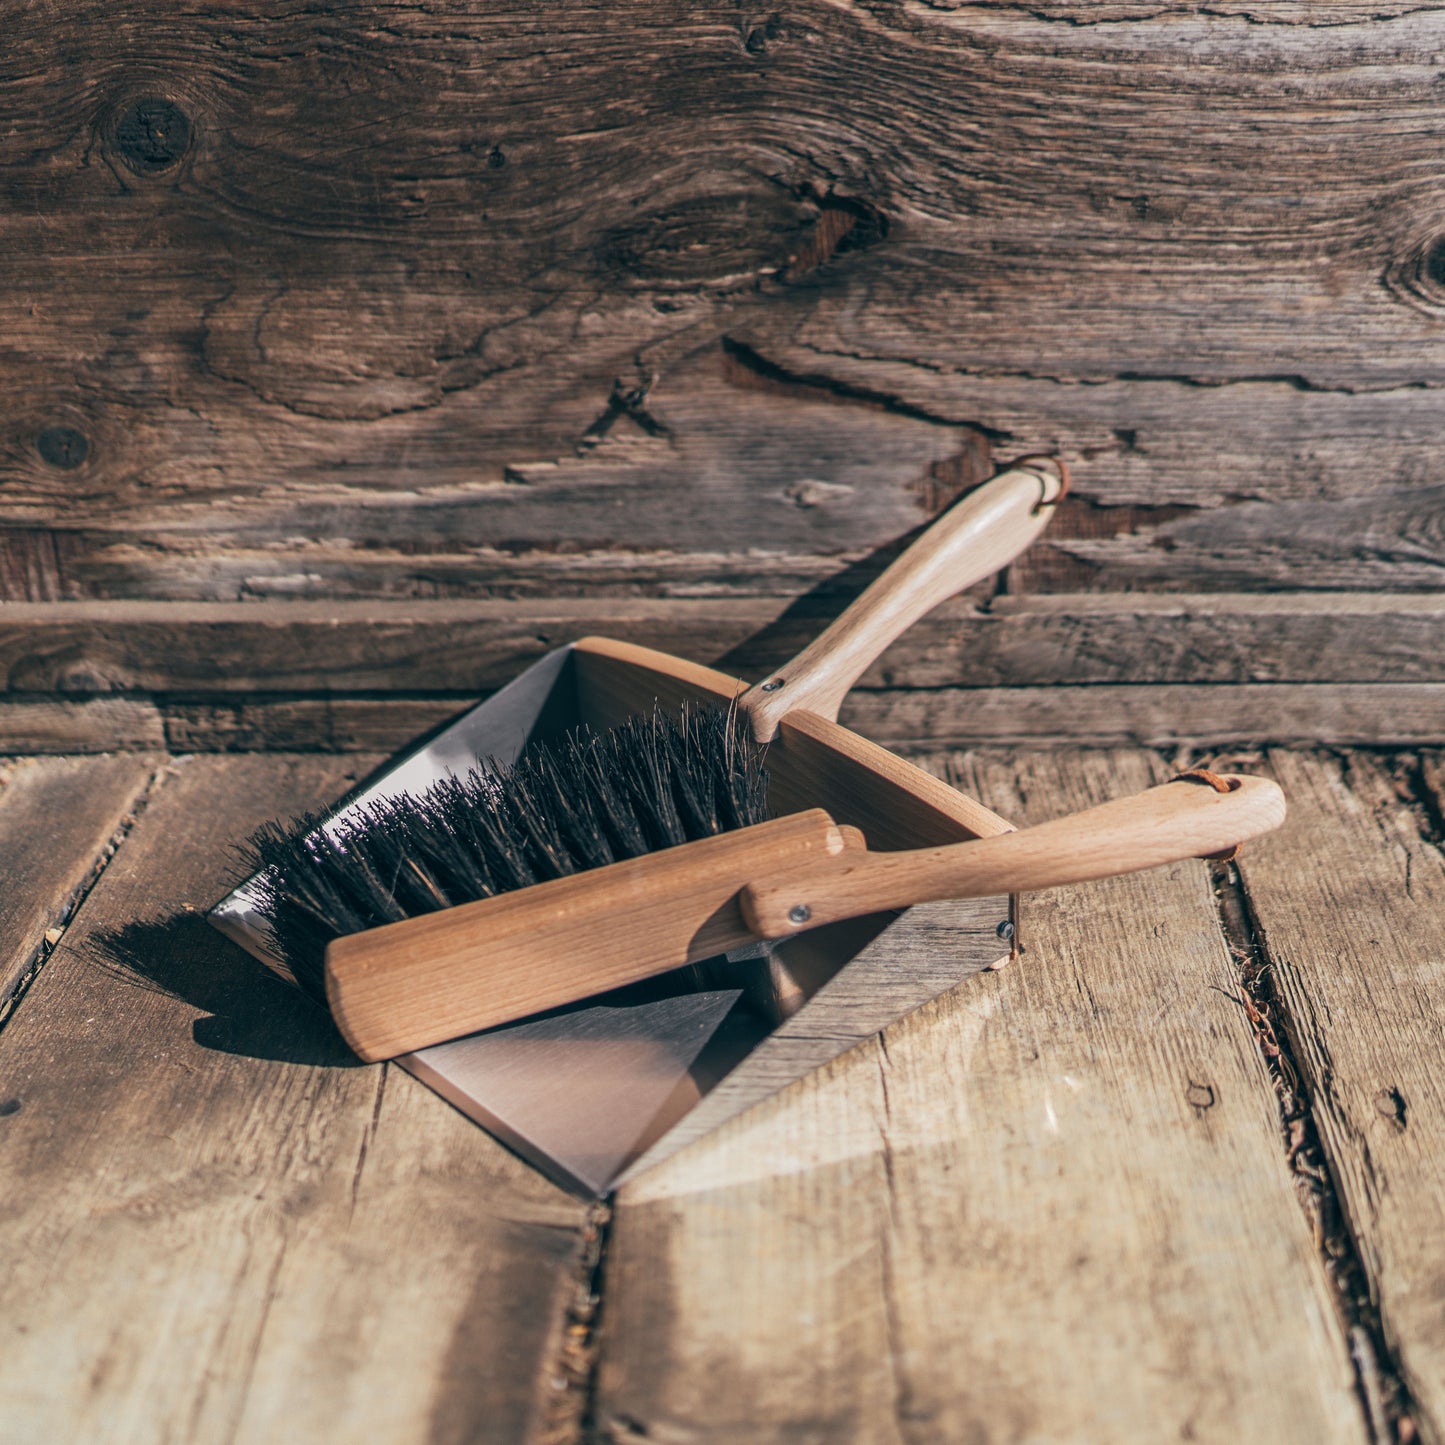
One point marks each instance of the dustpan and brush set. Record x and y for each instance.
(629, 896)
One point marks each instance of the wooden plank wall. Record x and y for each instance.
(328, 331)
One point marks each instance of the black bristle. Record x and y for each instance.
(583, 801)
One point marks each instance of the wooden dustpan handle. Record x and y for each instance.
(984, 531)
(1162, 825)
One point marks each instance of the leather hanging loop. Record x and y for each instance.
(1220, 785)
(1035, 462)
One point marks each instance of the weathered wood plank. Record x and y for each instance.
(1351, 901)
(305, 724)
(757, 280)
(1255, 485)
(1396, 715)
(474, 647)
(226, 1233)
(1053, 1205)
(30, 724)
(60, 819)
(1336, 714)
(1181, 486)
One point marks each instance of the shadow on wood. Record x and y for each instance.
(822, 604)
(250, 1011)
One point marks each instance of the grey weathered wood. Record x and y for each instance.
(305, 724)
(473, 646)
(1249, 484)
(227, 1232)
(1351, 900)
(31, 724)
(367, 675)
(1052, 1205)
(1404, 714)
(60, 819)
(698, 262)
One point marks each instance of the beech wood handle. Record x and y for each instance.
(974, 538)
(1182, 819)
(405, 985)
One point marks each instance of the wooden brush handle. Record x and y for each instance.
(1182, 819)
(970, 541)
(406, 985)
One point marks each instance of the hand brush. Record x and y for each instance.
(589, 800)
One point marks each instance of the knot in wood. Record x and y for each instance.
(152, 134)
(1418, 276)
(1434, 261)
(63, 447)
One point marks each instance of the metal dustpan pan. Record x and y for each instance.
(593, 1092)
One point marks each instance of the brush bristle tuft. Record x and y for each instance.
(583, 801)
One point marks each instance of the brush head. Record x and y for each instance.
(581, 802)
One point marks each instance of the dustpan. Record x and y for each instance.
(593, 1093)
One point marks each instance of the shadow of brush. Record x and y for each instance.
(806, 616)
(250, 1011)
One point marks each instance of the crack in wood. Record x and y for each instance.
(570, 1411)
(748, 361)
(624, 401)
(69, 907)
(1293, 381)
(1413, 784)
(1385, 1399)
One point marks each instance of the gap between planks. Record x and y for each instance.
(1384, 1396)
(62, 821)
(1072, 1174)
(1371, 715)
(303, 1254)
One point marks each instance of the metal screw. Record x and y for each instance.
(1005, 931)
(799, 913)
(774, 685)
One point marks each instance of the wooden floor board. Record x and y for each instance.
(1051, 1206)
(215, 1227)
(59, 818)
(1351, 901)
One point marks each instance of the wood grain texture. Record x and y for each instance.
(573, 293)
(1351, 902)
(366, 676)
(40, 724)
(226, 1233)
(1399, 715)
(193, 650)
(60, 820)
(1407, 714)
(1052, 1205)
